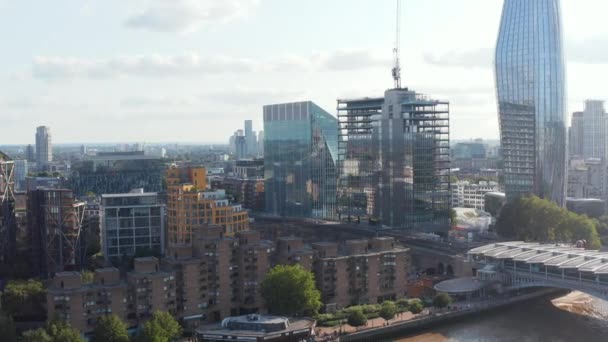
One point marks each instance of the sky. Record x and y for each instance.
(193, 70)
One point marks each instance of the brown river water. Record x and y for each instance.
(575, 317)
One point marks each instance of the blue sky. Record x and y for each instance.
(193, 70)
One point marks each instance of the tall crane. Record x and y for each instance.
(397, 68)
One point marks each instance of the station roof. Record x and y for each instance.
(554, 255)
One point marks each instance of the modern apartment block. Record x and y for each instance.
(394, 161)
(530, 87)
(132, 222)
(300, 156)
(8, 223)
(588, 179)
(467, 195)
(190, 204)
(44, 146)
(133, 298)
(117, 173)
(55, 223)
(360, 271)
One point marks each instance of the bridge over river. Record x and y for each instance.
(518, 264)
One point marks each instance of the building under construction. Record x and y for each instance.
(55, 228)
(8, 223)
(394, 161)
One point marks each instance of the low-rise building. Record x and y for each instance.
(467, 195)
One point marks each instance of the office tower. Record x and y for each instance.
(241, 147)
(83, 150)
(44, 146)
(394, 161)
(530, 88)
(357, 157)
(595, 130)
(250, 138)
(8, 223)
(21, 171)
(132, 223)
(55, 222)
(260, 147)
(300, 155)
(576, 134)
(413, 162)
(190, 205)
(117, 173)
(30, 153)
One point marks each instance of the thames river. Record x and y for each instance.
(575, 317)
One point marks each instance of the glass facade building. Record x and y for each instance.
(394, 161)
(530, 87)
(131, 223)
(300, 155)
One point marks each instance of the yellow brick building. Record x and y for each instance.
(190, 204)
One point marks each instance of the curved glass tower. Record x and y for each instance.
(530, 87)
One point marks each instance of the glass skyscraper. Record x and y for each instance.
(530, 87)
(300, 155)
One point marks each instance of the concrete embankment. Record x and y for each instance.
(400, 328)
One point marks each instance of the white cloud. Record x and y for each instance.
(193, 64)
(183, 16)
(477, 58)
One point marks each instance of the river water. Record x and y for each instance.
(575, 317)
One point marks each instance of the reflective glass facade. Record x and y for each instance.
(300, 153)
(394, 161)
(530, 82)
(413, 159)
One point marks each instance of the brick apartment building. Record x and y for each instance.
(217, 276)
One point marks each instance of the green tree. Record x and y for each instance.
(356, 317)
(290, 290)
(60, 331)
(87, 277)
(453, 216)
(530, 218)
(388, 310)
(162, 327)
(110, 329)
(38, 335)
(7, 327)
(442, 300)
(415, 306)
(24, 299)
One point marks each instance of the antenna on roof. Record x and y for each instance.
(396, 68)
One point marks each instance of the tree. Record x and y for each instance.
(38, 335)
(162, 327)
(453, 216)
(60, 331)
(55, 331)
(7, 327)
(87, 277)
(415, 306)
(24, 299)
(388, 310)
(290, 290)
(110, 329)
(356, 317)
(442, 300)
(530, 218)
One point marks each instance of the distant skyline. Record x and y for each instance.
(193, 70)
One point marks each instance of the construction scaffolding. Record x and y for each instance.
(55, 225)
(8, 223)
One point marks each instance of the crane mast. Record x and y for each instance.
(396, 67)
